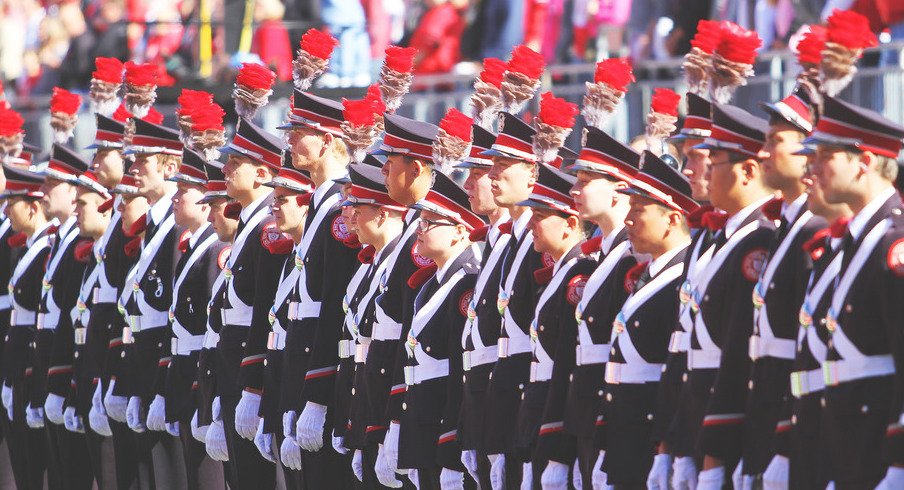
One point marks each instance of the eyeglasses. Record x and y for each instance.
(425, 225)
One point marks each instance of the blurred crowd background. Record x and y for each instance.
(53, 42)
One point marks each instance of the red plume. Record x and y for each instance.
(709, 33)
(553, 125)
(732, 63)
(141, 87)
(400, 60)
(17, 239)
(253, 87)
(661, 120)
(107, 70)
(456, 124)
(189, 100)
(527, 62)
(556, 111)
(847, 36)
(358, 112)
(376, 99)
(594, 244)
(153, 116)
(698, 61)
(487, 97)
(359, 127)
(64, 107)
(312, 57)
(122, 114)
(132, 247)
(493, 69)
(83, 250)
(141, 75)
(318, 44)
(105, 83)
(738, 45)
(255, 77)
(850, 29)
(521, 79)
(395, 76)
(614, 72)
(810, 46)
(421, 276)
(209, 116)
(10, 123)
(452, 140)
(665, 101)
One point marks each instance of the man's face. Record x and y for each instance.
(724, 175)
(595, 195)
(240, 174)
(781, 168)
(19, 210)
(511, 180)
(107, 166)
(365, 220)
(436, 234)
(90, 222)
(347, 210)
(549, 228)
(288, 213)
(696, 161)
(400, 173)
(59, 197)
(186, 210)
(647, 223)
(132, 207)
(836, 172)
(307, 145)
(148, 170)
(480, 192)
(223, 226)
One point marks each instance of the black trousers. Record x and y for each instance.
(27, 446)
(201, 472)
(69, 463)
(250, 469)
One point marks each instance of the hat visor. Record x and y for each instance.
(345, 179)
(492, 152)
(182, 179)
(290, 125)
(383, 152)
(468, 165)
(281, 184)
(578, 166)
(530, 203)
(211, 197)
(46, 172)
(805, 151)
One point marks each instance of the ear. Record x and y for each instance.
(419, 167)
(261, 174)
(534, 172)
(327, 143)
(750, 169)
(171, 166)
(868, 161)
(675, 218)
(574, 223)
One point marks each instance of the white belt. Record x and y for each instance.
(346, 348)
(771, 347)
(186, 345)
(48, 321)
(425, 372)
(806, 382)
(5, 302)
(276, 341)
(591, 354)
(307, 309)
(240, 317)
(703, 359)
(361, 351)
(211, 339)
(479, 357)
(80, 336)
(387, 331)
(105, 295)
(24, 317)
(507, 347)
(837, 372)
(634, 373)
(540, 371)
(680, 341)
(148, 321)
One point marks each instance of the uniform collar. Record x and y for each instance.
(494, 232)
(520, 225)
(858, 222)
(250, 209)
(741, 216)
(40, 231)
(159, 209)
(791, 210)
(193, 239)
(322, 191)
(609, 241)
(663, 260)
(67, 226)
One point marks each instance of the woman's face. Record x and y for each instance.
(436, 234)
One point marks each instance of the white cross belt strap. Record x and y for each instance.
(516, 340)
(428, 367)
(5, 302)
(681, 340)
(385, 327)
(479, 357)
(541, 369)
(472, 326)
(239, 314)
(21, 316)
(586, 351)
(807, 329)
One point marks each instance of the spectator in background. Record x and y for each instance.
(42, 65)
(111, 30)
(686, 14)
(12, 40)
(79, 60)
(501, 27)
(350, 64)
(438, 35)
(271, 39)
(379, 29)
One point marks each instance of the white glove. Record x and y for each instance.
(199, 433)
(116, 406)
(133, 415)
(358, 465)
(555, 476)
(776, 475)
(215, 409)
(309, 429)
(469, 460)
(172, 428)
(7, 396)
(246, 417)
(451, 480)
(497, 471)
(711, 479)
(290, 454)
(894, 478)
(414, 478)
(53, 407)
(684, 473)
(599, 478)
(34, 417)
(157, 414)
(576, 478)
(264, 442)
(739, 480)
(391, 446)
(527, 476)
(97, 415)
(72, 421)
(215, 442)
(385, 474)
(658, 479)
(339, 444)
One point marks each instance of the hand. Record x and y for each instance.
(157, 414)
(739, 480)
(358, 465)
(555, 476)
(391, 446)
(72, 421)
(215, 409)
(658, 479)
(7, 397)
(894, 478)
(246, 417)
(414, 478)
(684, 473)
(451, 480)
(115, 406)
(469, 460)
(711, 479)
(497, 471)
(134, 415)
(385, 474)
(776, 475)
(199, 433)
(172, 428)
(53, 407)
(215, 442)
(290, 453)
(34, 417)
(576, 478)
(309, 429)
(97, 415)
(264, 442)
(339, 444)
(527, 476)
(599, 478)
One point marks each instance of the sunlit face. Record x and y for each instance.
(549, 229)
(59, 197)
(366, 219)
(480, 193)
(308, 146)
(90, 221)
(436, 234)
(20, 210)
(725, 175)
(347, 210)
(223, 226)
(149, 173)
(186, 209)
(400, 173)
(781, 168)
(107, 166)
(511, 180)
(648, 223)
(696, 161)
(132, 207)
(240, 174)
(595, 194)
(836, 172)
(287, 212)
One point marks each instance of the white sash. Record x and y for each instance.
(80, 312)
(817, 347)
(426, 363)
(472, 326)
(518, 341)
(544, 362)
(51, 319)
(350, 323)
(238, 244)
(386, 327)
(106, 292)
(178, 330)
(595, 281)
(148, 252)
(307, 306)
(210, 336)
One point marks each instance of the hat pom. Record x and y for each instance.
(105, 82)
(732, 61)
(661, 119)
(122, 114)
(11, 134)
(452, 140)
(189, 101)
(809, 49)
(610, 83)
(375, 97)
(141, 87)
(253, 87)
(395, 77)
(521, 78)
(553, 124)
(487, 98)
(64, 107)
(698, 60)
(848, 34)
(358, 128)
(312, 57)
(207, 132)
